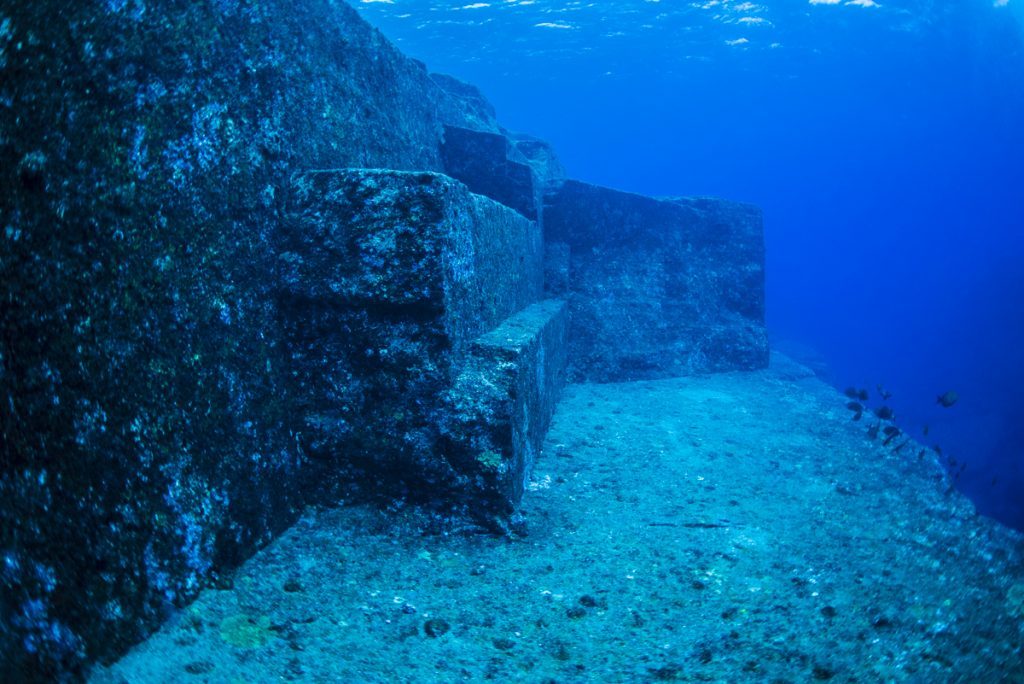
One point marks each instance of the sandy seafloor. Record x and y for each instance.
(729, 528)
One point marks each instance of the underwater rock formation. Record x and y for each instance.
(539, 155)
(463, 105)
(397, 289)
(481, 161)
(509, 167)
(150, 439)
(503, 400)
(657, 287)
(201, 337)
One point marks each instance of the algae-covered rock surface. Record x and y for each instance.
(656, 287)
(149, 435)
(391, 286)
(735, 527)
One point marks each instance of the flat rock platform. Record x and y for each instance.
(728, 528)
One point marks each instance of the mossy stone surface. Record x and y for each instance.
(146, 154)
(732, 527)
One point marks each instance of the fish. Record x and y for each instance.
(851, 392)
(855, 407)
(899, 446)
(862, 394)
(960, 471)
(884, 393)
(891, 430)
(873, 430)
(885, 413)
(948, 399)
(925, 429)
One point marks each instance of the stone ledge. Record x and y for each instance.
(503, 400)
(482, 161)
(386, 279)
(656, 288)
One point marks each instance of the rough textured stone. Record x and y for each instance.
(481, 160)
(386, 280)
(193, 348)
(463, 105)
(659, 287)
(146, 150)
(557, 261)
(503, 400)
(539, 155)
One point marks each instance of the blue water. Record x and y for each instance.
(884, 142)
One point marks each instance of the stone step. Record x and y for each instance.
(657, 287)
(385, 280)
(490, 164)
(501, 404)
(412, 244)
(539, 155)
(464, 105)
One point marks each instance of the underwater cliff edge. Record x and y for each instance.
(255, 259)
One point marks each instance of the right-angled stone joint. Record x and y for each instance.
(657, 287)
(420, 354)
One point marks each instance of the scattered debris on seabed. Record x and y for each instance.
(713, 529)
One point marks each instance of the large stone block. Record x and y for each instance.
(149, 439)
(502, 402)
(539, 155)
(657, 287)
(481, 160)
(386, 280)
(462, 104)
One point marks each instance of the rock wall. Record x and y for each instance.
(511, 168)
(656, 287)
(462, 104)
(502, 402)
(395, 290)
(481, 160)
(200, 336)
(146, 153)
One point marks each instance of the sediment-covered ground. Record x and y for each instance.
(729, 528)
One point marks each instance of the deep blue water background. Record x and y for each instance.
(884, 143)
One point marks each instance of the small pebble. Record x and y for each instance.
(198, 667)
(436, 627)
(503, 644)
(667, 673)
(224, 582)
(822, 673)
(881, 622)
